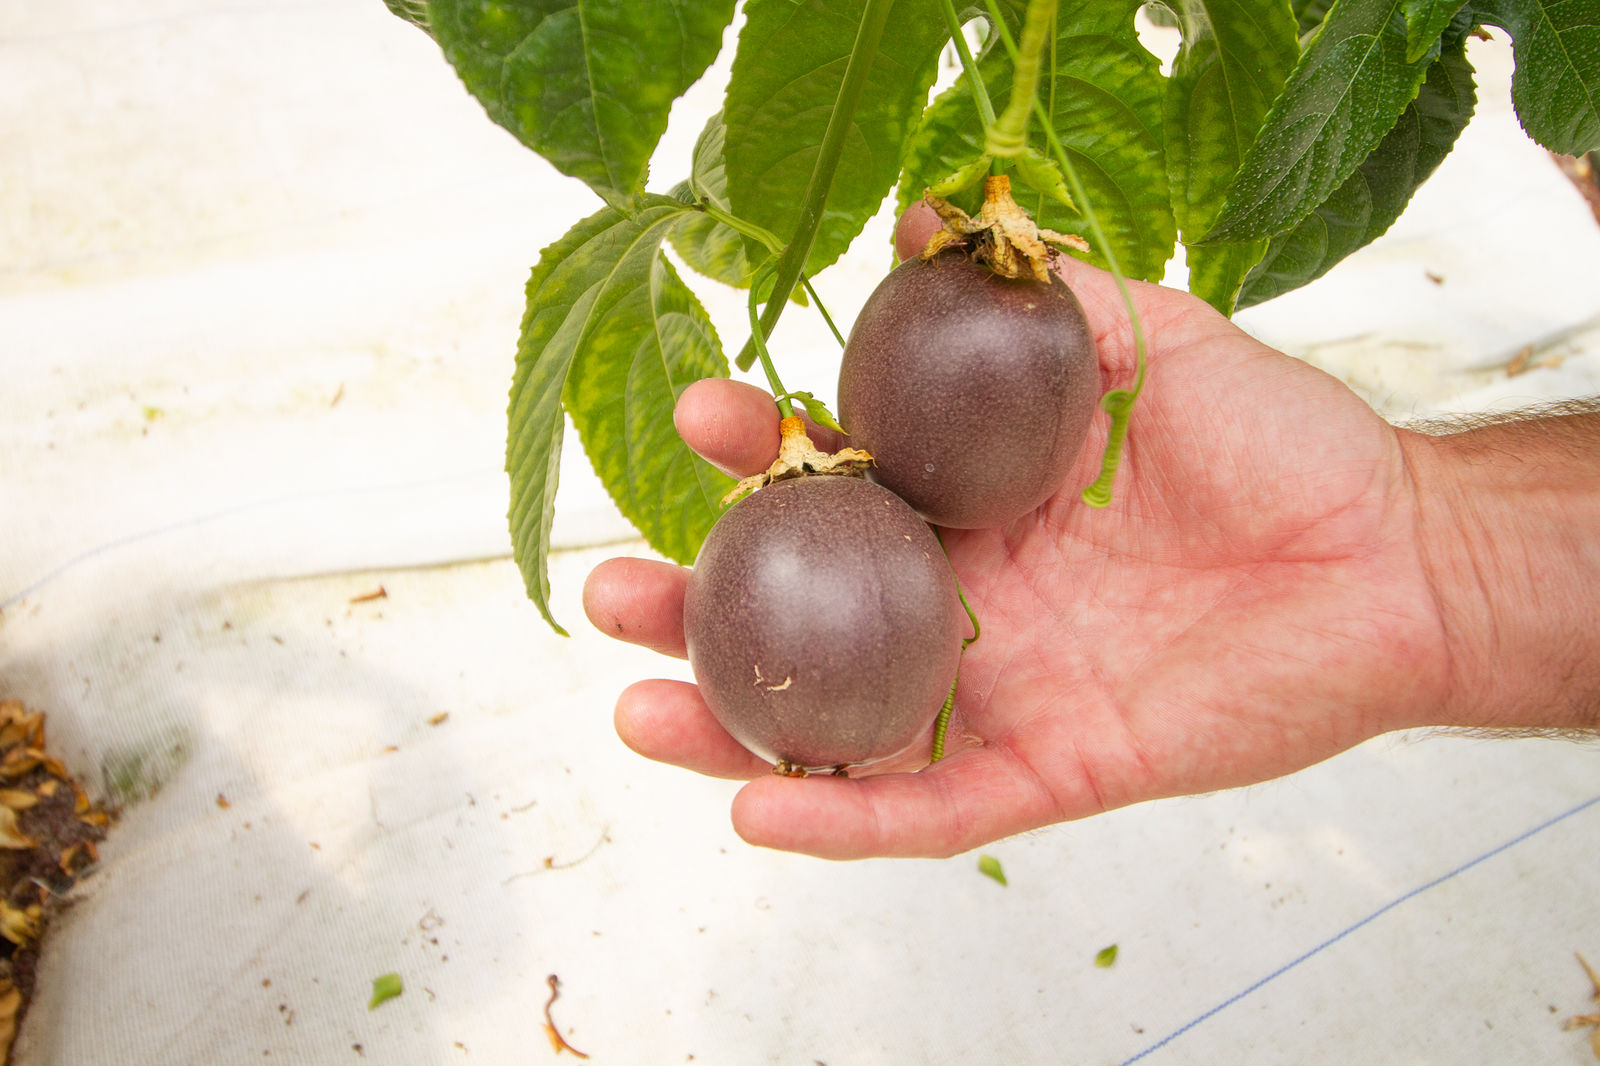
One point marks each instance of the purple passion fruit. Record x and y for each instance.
(973, 392)
(823, 623)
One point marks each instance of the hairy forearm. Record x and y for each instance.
(1508, 518)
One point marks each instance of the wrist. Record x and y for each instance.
(1508, 525)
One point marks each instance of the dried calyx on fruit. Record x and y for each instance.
(797, 457)
(1002, 234)
(822, 619)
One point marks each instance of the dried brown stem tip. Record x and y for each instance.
(1003, 235)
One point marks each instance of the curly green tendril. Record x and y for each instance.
(1118, 403)
(941, 725)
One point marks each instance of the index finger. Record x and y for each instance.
(734, 425)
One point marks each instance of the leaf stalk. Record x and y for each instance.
(792, 262)
(761, 234)
(759, 344)
(969, 66)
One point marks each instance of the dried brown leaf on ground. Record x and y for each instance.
(1591, 1021)
(49, 832)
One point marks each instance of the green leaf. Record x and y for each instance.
(1425, 21)
(816, 409)
(656, 339)
(609, 326)
(1370, 200)
(1106, 956)
(781, 91)
(1348, 89)
(989, 866)
(1042, 174)
(709, 246)
(966, 177)
(1234, 60)
(585, 83)
(1556, 86)
(385, 988)
(1105, 101)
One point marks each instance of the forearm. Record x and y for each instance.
(1508, 518)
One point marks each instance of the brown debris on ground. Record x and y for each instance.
(49, 830)
(1589, 1021)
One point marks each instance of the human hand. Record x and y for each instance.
(1253, 601)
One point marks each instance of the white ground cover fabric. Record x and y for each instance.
(260, 277)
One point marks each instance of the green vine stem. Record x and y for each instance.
(822, 310)
(790, 264)
(1008, 134)
(1118, 403)
(980, 92)
(770, 241)
(779, 393)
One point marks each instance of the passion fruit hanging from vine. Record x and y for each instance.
(972, 391)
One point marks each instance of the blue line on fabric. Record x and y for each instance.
(1332, 940)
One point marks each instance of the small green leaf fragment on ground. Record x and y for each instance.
(385, 988)
(1106, 956)
(989, 866)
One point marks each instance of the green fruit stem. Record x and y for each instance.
(980, 99)
(758, 340)
(980, 92)
(1008, 135)
(873, 19)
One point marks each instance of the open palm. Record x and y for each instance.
(1251, 602)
